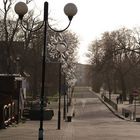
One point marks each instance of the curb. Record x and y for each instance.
(111, 109)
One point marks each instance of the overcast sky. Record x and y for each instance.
(97, 16)
(94, 17)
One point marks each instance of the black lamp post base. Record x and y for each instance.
(59, 120)
(40, 137)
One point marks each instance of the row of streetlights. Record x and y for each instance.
(70, 10)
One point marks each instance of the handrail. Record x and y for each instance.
(110, 102)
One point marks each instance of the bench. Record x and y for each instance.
(70, 114)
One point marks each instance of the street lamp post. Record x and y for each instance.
(17, 63)
(64, 109)
(135, 107)
(135, 94)
(61, 48)
(65, 87)
(21, 9)
(134, 113)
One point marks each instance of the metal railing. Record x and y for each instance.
(110, 102)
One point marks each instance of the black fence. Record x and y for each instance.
(110, 102)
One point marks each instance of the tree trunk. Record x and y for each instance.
(123, 87)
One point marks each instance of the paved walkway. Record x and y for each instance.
(92, 119)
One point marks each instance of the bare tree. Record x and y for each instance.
(8, 31)
(116, 55)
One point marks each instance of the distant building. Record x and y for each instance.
(84, 75)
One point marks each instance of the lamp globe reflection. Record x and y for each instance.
(61, 47)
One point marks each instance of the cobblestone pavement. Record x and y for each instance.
(29, 131)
